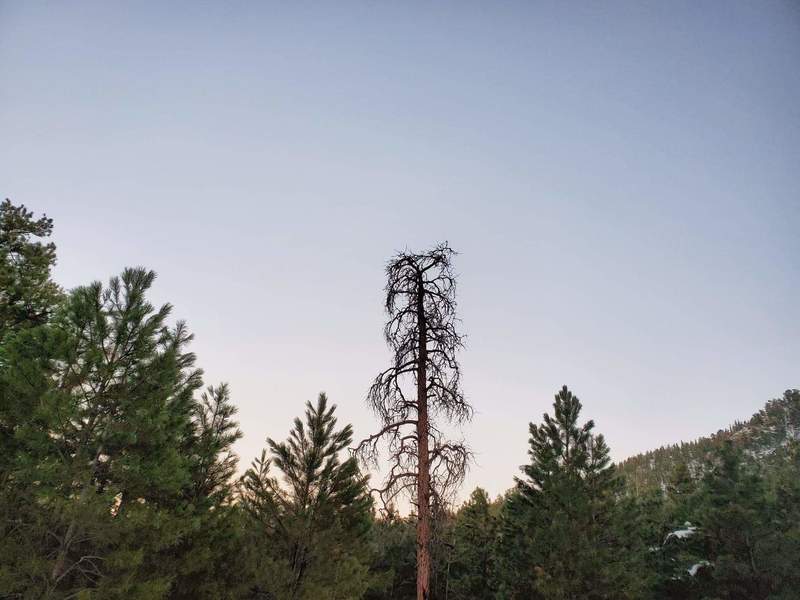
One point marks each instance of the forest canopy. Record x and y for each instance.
(120, 480)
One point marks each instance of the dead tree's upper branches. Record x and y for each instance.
(423, 335)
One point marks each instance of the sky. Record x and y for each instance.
(621, 181)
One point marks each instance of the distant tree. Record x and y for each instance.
(732, 537)
(472, 570)
(312, 529)
(422, 384)
(676, 549)
(393, 541)
(514, 549)
(27, 293)
(782, 549)
(734, 524)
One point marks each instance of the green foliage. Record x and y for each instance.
(27, 294)
(761, 437)
(394, 550)
(733, 534)
(27, 298)
(117, 480)
(733, 518)
(206, 561)
(472, 569)
(310, 531)
(565, 533)
(102, 398)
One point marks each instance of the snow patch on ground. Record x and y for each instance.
(687, 531)
(697, 566)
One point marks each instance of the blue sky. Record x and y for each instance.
(622, 181)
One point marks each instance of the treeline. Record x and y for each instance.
(118, 480)
(771, 428)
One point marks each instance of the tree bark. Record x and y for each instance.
(423, 473)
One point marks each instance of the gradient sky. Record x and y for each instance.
(621, 179)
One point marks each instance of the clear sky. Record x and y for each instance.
(621, 179)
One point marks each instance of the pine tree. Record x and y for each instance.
(27, 293)
(103, 398)
(312, 530)
(568, 499)
(677, 552)
(733, 520)
(28, 296)
(472, 570)
(515, 549)
(211, 447)
(782, 549)
(393, 547)
(206, 561)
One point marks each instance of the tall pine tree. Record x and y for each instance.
(567, 509)
(103, 396)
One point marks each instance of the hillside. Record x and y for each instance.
(761, 437)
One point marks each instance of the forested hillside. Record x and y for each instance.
(763, 439)
(118, 477)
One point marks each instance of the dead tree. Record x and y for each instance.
(420, 389)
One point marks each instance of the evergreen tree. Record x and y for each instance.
(27, 298)
(27, 293)
(782, 549)
(515, 547)
(677, 552)
(736, 535)
(471, 572)
(207, 560)
(734, 525)
(311, 532)
(393, 547)
(103, 398)
(568, 500)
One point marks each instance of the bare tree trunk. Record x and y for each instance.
(422, 333)
(423, 474)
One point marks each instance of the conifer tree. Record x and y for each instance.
(214, 433)
(206, 562)
(514, 549)
(28, 296)
(313, 527)
(677, 554)
(782, 549)
(733, 519)
(472, 571)
(103, 396)
(27, 293)
(393, 543)
(568, 499)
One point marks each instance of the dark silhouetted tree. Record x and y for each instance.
(421, 386)
(27, 294)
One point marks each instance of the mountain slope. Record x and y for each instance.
(762, 438)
